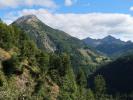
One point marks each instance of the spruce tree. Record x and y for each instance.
(100, 87)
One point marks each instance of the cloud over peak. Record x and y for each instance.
(95, 25)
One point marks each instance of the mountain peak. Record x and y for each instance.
(112, 40)
(30, 16)
(109, 37)
(27, 18)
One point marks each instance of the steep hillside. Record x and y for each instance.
(118, 75)
(110, 46)
(55, 40)
(31, 25)
(28, 73)
(4, 55)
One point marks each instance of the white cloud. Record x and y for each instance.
(16, 3)
(68, 2)
(95, 25)
(131, 9)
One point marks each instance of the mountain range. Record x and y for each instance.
(110, 46)
(38, 62)
(53, 40)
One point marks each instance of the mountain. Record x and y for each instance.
(33, 71)
(110, 46)
(118, 75)
(47, 37)
(20, 68)
(53, 40)
(110, 40)
(29, 72)
(30, 24)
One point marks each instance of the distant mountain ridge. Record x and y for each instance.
(110, 45)
(108, 39)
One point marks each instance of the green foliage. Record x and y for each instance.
(43, 61)
(81, 79)
(12, 66)
(60, 63)
(90, 95)
(68, 87)
(65, 64)
(33, 74)
(53, 40)
(5, 36)
(100, 84)
(117, 74)
(28, 49)
(63, 75)
(55, 61)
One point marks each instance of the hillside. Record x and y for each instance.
(28, 73)
(56, 39)
(110, 46)
(4, 55)
(53, 40)
(118, 75)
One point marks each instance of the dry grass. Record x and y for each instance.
(4, 55)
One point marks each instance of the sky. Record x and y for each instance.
(79, 18)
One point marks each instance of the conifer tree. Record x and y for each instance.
(81, 79)
(100, 87)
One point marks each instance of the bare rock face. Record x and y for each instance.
(28, 18)
(32, 25)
